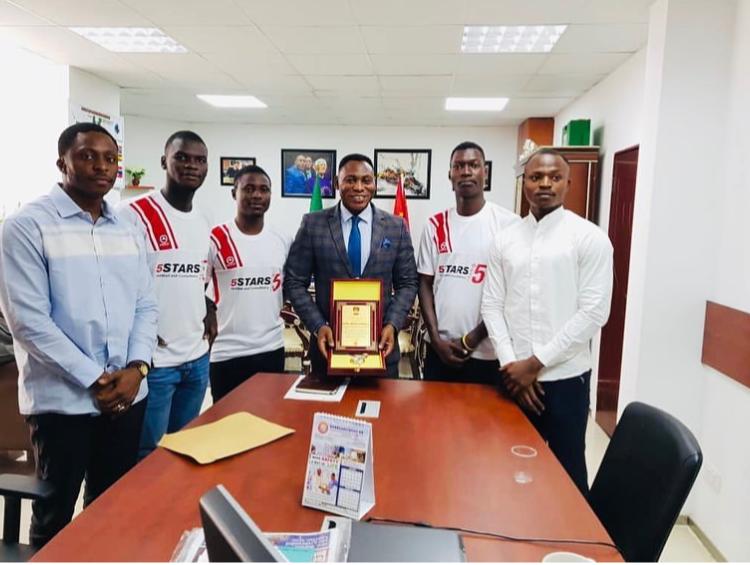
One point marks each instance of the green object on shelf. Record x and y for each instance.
(577, 132)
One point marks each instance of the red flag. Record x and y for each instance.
(399, 207)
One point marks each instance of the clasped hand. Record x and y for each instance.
(115, 392)
(520, 380)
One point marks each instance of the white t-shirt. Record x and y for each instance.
(246, 285)
(455, 250)
(178, 250)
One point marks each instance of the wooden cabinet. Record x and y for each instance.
(583, 195)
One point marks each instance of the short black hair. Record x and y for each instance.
(185, 135)
(68, 136)
(250, 169)
(467, 145)
(355, 157)
(546, 151)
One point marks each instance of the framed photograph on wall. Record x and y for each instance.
(230, 166)
(413, 164)
(487, 175)
(300, 168)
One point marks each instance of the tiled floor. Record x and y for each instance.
(682, 546)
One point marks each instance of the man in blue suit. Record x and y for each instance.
(294, 177)
(351, 240)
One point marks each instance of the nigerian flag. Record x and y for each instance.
(316, 200)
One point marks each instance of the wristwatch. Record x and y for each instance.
(141, 366)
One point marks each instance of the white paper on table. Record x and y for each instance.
(293, 394)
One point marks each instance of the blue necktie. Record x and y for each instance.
(355, 248)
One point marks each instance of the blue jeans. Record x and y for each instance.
(175, 395)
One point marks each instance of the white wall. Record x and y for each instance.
(33, 112)
(723, 514)
(145, 138)
(615, 108)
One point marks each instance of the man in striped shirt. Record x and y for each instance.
(177, 239)
(77, 293)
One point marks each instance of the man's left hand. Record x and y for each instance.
(387, 340)
(116, 391)
(210, 326)
(518, 375)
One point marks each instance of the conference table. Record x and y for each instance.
(442, 456)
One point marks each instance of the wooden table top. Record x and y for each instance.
(441, 456)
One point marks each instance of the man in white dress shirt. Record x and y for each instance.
(548, 292)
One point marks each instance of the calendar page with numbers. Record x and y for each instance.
(339, 476)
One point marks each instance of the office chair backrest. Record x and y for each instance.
(646, 475)
(15, 432)
(231, 536)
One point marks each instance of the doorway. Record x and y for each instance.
(625, 168)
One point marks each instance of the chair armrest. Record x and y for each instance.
(24, 486)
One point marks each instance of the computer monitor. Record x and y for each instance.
(231, 536)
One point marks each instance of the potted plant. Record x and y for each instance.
(135, 176)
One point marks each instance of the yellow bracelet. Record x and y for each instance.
(466, 345)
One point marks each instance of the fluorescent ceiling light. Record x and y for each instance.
(476, 104)
(510, 39)
(131, 39)
(221, 101)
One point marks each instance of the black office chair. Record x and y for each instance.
(14, 488)
(646, 475)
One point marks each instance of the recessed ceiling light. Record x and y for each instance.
(476, 104)
(510, 39)
(231, 101)
(131, 39)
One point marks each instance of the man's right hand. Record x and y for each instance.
(530, 398)
(450, 352)
(325, 340)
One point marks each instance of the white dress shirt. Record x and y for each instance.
(548, 291)
(365, 230)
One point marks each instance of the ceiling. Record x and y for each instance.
(368, 62)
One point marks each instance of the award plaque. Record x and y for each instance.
(356, 324)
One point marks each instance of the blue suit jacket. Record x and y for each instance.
(318, 250)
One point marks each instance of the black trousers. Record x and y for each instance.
(472, 371)
(227, 375)
(563, 424)
(67, 449)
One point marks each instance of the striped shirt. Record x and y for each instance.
(78, 298)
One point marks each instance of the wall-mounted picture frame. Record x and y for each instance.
(300, 168)
(230, 166)
(487, 176)
(414, 164)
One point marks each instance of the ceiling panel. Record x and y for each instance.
(438, 85)
(406, 13)
(500, 63)
(256, 68)
(602, 63)
(287, 84)
(561, 85)
(314, 40)
(602, 38)
(541, 106)
(298, 12)
(413, 64)
(597, 11)
(344, 84)
(11, 15)
(242, 41)
(489, 85)
(339, 64)
(428, 39)
(170, 13)
(85, 12)
(526, 12)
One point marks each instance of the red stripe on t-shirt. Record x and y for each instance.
(226, 249)
(149, 232)
(165, 220)
(154, 223)
(217, 245)
(448, 231)
(442, 233)
(231, 242)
